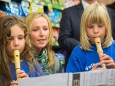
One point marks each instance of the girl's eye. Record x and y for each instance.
(21, 37)
(100, 25)
(45, 28)
(35, 29)
(90, 26)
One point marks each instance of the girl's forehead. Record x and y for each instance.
(16, 29)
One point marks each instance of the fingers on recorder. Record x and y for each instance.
(106, 59)
(21, 75)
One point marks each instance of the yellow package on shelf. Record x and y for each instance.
(50, 7)
(30, 7)
(40, 8)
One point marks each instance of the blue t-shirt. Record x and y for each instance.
(24, 66)
(81, 60)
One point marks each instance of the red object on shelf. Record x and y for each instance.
(1, 13)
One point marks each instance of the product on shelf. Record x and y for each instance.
(42, 0)
(48, 1)
(2, 13)
(25, 8)
(6, 0)
(54, 2)
(55, 36)
(61, 2)
(40, 8)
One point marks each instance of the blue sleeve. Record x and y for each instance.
(41, 70)
(37, 71)
(75, 63)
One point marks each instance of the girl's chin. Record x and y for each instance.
(41, 46)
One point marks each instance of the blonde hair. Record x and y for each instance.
(95, 13)
(29, 19)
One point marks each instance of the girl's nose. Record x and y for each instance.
(16, 42)
(96, 30)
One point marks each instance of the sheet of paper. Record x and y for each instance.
(90, 78)
(98, 78)
(60, 79)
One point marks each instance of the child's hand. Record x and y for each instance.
(96, 66)
(21, 75)
(107, 60)
(14, 83)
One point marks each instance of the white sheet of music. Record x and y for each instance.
(60, 79)
(90, 78)
(98, 78)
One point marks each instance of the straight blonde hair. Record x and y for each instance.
(95, 13)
